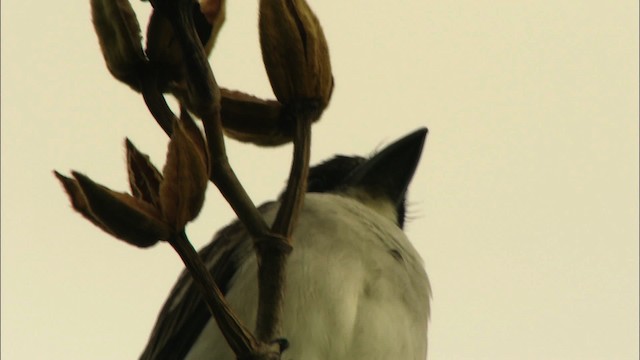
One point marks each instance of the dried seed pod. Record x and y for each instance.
(163, 49)
(250, 119)
(121, 215)
(186, 175)
(295, 52)
(78, 200)
(195, 134)
(120, 40)
(144, 178)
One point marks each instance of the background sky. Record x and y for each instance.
(524, 207)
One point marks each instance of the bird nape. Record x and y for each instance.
(356, 287)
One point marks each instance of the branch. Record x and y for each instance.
(203, 98)
(272, 254)
(156, 103)
(240, 339)
(296, 58)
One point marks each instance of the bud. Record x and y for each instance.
(119, 35)
(295, 52)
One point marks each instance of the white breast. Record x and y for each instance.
(349, 296)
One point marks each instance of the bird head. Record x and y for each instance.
(380, 181)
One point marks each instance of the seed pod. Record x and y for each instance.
(121, 215)
(144, 178)
(185, 180)
(250, 119)
(295, 52)
(163, 49)
(119, 35)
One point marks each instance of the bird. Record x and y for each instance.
(356, 287)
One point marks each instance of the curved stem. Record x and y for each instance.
(156, 103)
(293, 197)
(273, 254)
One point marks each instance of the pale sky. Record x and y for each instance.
(524, 207)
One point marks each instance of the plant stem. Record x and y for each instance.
(272, 246)
(239, 338)
(272, 255)
(204, 96)
(156, 102)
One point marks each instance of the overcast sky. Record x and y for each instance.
(524, 207)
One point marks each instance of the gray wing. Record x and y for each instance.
(184, 314)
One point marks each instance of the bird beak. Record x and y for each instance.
(389, 172)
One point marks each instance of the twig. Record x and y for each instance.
(293, 198)
(227, 182)
(272, 254)
(204, 99)
(156, 102)
(204, 96)
(240, 339)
